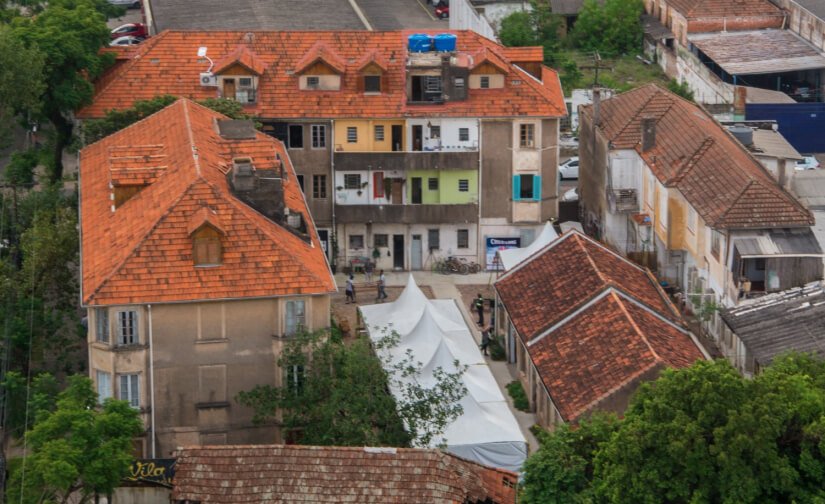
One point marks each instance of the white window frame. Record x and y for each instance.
(318, 134)
(128, 389)
(352, 134)
(128, 327)
(527, 136)
(463, 134)
(290, 328)
(104, 385)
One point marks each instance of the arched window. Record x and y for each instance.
(206, 246)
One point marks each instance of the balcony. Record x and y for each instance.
(398, 214)
(623, 200)
(416, 160)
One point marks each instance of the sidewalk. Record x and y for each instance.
(444, 287)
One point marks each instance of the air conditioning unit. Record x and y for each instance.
(208, 79)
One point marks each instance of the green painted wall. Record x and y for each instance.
(448, 187)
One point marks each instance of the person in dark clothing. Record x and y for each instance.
(478, 305)
(350, 289)
(485, 339)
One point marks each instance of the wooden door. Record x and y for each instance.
(229, 89)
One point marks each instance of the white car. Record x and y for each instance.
(569, 169)
(126, 41)
(807, 163)
(571, 195)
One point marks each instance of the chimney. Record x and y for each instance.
(597, 106)
(648, 133)
(740, 98)
(243, 175)
(782, 172)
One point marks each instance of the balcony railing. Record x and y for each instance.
(419, 214)
(623, 200)
(400, 160)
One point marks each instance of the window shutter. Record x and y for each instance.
(537, 187)
(516, 187)
(378, 185)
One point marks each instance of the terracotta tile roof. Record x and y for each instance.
(566, 273)
(242, 55)
(720, 179)
(142, 251)
(328, 474)
(168, 64)
(488, 56)
(320, 52)
(532, 54)
(373, 57)
(724, 8)
(593, 322)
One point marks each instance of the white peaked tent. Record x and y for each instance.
(437, 335)
(511, 257)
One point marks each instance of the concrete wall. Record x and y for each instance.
(204, 354)
(141, 495)
(593, 153)
(805, 24)
(496, 168)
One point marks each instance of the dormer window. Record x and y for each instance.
(484, 82)
(240, 89)
(206, 244)
(313, 82)
(372, 83)
(320, 69)
(238, 73)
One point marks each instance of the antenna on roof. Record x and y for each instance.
(202, 54)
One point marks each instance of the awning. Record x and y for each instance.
(778, 244)
(654, 29)
(758, 52)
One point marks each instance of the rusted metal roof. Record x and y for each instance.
(758, 52)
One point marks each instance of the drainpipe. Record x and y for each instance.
(152, 381)
(479, 239)
(331, 186)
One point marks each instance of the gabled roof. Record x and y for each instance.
(373, 57)
(243, 56)
(168, 64)
(320, 52)
(142, 252)
(593, 323)
(715, 173)
(330, 474)
(724, 8)
(529, 54)
(487, 56)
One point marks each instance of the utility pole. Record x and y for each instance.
(597, 65)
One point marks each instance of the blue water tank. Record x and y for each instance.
(445, 42)
(419, 42)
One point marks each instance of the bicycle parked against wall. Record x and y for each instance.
(455, 265)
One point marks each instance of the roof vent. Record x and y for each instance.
(243, 174)
(742, 133)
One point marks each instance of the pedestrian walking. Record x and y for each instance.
(478, 304)
(485, 339)
(350, 289)
(382, 283)
(368, 269)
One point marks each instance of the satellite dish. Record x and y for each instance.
(201, 51)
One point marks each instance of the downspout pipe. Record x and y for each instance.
(152, 382)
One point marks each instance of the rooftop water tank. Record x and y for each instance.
(742, 133)
(419, 42)
(445, 42)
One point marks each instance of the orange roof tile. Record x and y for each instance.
(205, 216)
(529, 54)
(168, 64)
(592, 322)
(487, 56)
(692, 9)
(332, 474)
(142, 252)
(373, 57)
(242, 55)
(320, 52)
(717, 175)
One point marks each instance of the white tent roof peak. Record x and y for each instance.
(512, 257)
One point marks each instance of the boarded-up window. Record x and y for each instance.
(212, 384)
(207, 246)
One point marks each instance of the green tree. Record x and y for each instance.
(699, 434)
(21, 82)
(41, 397)
(518, 29)
(336, 393)
(680, 88)
(69, 34)
(612, 28)
(76, 451)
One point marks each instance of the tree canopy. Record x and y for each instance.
(77, 450)
(700, 434)
(613, 27)
(21, 81)
(336, 393)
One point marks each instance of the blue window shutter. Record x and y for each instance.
(516, 187)
(537, 187)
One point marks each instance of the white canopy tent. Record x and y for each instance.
(511, 257)
(437, 335)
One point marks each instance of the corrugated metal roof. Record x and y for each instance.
(759, 95)
(772, 143)
(792, 320)
(795, 243)
(758, 52)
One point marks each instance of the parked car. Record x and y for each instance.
(807, 163)
(442, 10)
(129, 4)
(130, 30)
(570, 168)
(571, 195)
(569, 141)
(125, 41)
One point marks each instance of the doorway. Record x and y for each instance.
(416, 253)
(323, 236)
(417, 137)
(229, 89)
(416, 190)
(398, 251)
(397, 137)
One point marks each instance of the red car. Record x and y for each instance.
(130, 30)
(442, 10)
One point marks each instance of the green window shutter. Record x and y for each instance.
(537, 187)
(516, 187)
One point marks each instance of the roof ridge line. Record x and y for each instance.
(572, 312)
(736, 200)
(636, 327)
(593, 262)
(694, 158)
(632, 117)
(191, 137)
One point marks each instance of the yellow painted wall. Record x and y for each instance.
(677, 212)
(366, 135)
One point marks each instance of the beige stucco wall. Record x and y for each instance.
(205, 353)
